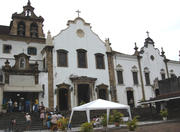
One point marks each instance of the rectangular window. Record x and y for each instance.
(6, 48)
(82, 62)
(32, 51)
(44, 64)
(147, 78)
(62, 58)
(99, 61)
(163, 76)
(120, 77)
(135, 78)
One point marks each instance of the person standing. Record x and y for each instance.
(27, 106)
(15, 106)
(10, 105)
(36, 105)
(28, 121)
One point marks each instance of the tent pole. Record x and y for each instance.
(129, 111)
(108, 110)
(71, 116)
(88, 115)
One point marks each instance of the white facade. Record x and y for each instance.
(61, 86)
(152, 62)
(69, 40)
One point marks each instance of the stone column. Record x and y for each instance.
(1, 97)
(40, 31)
(49, 58)
(91, 91)
(27, 25)
(75, 95)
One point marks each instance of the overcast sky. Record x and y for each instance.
(123, 21)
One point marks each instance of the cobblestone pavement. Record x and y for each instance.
(155, 126)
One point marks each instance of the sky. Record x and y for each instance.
(124, 22)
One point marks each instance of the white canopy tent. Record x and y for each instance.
(100, 104)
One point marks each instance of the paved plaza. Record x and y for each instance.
(147, 126)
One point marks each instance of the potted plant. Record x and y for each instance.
(117, 118)
(86, 127)
(104, 120)
(164, 114)
(62, 124)
(4, 108)
(132, 124)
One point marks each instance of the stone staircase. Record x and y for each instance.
(5, 120)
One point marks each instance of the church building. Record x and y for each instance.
(75, 66)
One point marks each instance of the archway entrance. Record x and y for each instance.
(21, 98)
(63, 99)
(130, 98)
(83, 93)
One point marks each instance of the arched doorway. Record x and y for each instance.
(157, 92)
(130, 98)
(63, 99)
(83, 93)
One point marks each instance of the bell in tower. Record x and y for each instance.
(27, 23)
(21, 29)
(34, 30)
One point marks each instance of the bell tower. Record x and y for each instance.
(27, 24)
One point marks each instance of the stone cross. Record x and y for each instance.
(147, 34)
(78, 12)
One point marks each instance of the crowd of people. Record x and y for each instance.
(50, 119)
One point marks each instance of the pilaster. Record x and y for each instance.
(112, 79)
(49, 58)
(141, 77)
(167, 71)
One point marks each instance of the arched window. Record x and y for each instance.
(135, 75)
(119, 71)
(172, 74)
(21, 29)
(1, 77)
(163, 75)
(34, 30)
(22, 63)
(99, 61)
(82, 58)
(146, 74)
(32, 51)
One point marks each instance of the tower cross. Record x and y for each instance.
(78, 12)
(147, 34)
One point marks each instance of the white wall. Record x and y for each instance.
(127, 62)
(68, 40)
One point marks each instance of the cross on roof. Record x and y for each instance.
(29, 3)
(147, 34)
(78, 12)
